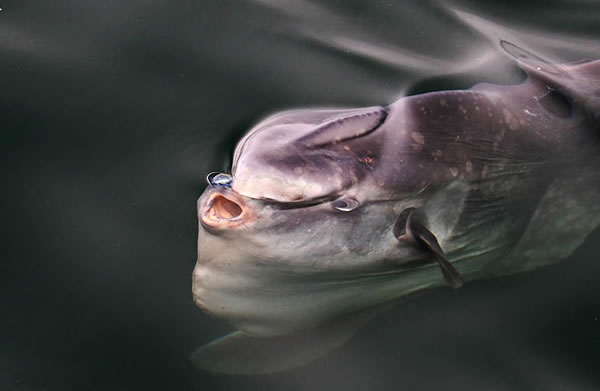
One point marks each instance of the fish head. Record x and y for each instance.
(296, 235)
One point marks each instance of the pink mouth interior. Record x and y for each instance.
(223, 208)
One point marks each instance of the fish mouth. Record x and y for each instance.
(223, 210)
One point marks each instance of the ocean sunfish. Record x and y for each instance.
(330, 214)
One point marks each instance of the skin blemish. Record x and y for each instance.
(418, 138)
(346, 148)
(437, 154)
(511, 121)
(500, 134)
(443, 102)
(367, 161)
(484, 172)
(469, 167)
(453, 171)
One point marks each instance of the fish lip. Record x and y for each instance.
(223, 209)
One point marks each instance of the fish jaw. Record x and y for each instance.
(268, 280)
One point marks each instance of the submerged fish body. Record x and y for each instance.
(331, 212)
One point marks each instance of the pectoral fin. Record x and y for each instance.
(408, 228)
(240, 353)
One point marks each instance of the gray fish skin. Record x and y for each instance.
(506, 177)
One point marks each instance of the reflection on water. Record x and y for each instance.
(114, 113)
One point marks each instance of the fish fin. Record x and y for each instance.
(407, 228)
(400, 227)
(425, 237)
(240, 353)
(347, 126)
(566, 83)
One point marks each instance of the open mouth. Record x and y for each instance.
(223, 208)
(223, 211)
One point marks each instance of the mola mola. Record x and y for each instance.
(330, 214)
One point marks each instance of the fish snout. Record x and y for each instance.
(221, 210)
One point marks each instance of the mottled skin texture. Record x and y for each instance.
(506, 177)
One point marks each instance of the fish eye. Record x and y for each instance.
(345, 204)
(219, 179)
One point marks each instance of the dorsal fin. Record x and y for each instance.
(566, 82)
(536, 66)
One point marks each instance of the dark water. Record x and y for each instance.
(113, 112)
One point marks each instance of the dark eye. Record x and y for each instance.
(219, 179)
(345, 204)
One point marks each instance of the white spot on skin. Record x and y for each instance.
(443, 102)
(500, 134)
(469, 167)
(437, 154)
(511, 121)
(453, 171)
(418, 138)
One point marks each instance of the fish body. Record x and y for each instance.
(330, 212)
